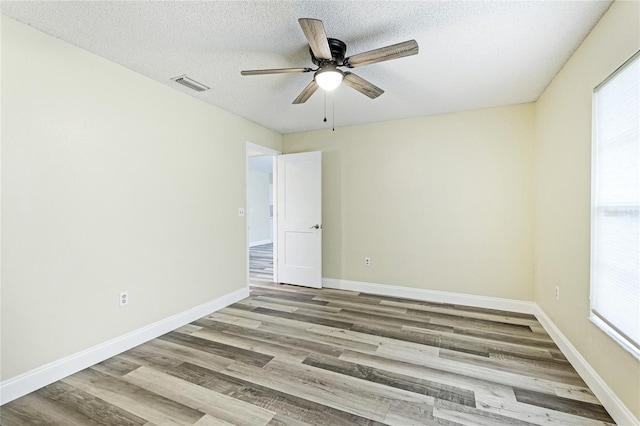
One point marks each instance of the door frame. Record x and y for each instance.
(252, 147)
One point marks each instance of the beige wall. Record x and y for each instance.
(110, 182)
(563, 191)
(424, 196)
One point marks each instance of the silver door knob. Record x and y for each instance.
(316, 226)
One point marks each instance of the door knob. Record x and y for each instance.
(316, 226)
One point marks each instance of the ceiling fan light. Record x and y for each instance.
(330, 79)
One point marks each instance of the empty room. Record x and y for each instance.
(320, 213)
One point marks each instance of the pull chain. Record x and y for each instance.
(325, 106)
(333, 112)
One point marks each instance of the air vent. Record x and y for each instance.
(191, 84)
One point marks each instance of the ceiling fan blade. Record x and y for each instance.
(314, 31)
(306, 93)
(394, 51)
(275, 71)
(362, 85)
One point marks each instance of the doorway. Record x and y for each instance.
(261, 213)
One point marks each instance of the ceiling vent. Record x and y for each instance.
(190, 83)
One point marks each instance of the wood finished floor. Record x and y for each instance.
(294, 356)
(261, 262)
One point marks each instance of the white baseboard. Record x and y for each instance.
(609, 400)
(42, 376)
(259, 243)
(511, 305)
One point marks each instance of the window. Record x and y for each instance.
(615, 206)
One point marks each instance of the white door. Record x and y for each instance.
(300, 219)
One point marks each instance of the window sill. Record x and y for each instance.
(635, 352)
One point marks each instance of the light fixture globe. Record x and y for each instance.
(329, 79)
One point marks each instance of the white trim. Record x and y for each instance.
(250, 146)
(511, 305)
(259, 243)
(42, 376)
(616, 408)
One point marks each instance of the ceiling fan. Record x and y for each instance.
(329, 54)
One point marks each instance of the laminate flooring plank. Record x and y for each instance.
(336, 342)
(359, 299)
(297, 304)
(453, 307)
(208, 420)
(134, 399)
(487, 346)
(230, 319)
(293, 333)
(449, 413)
(498, 312)
(332, 389)
(93, 407)
(265, 318)
(289, 338)
(565, 405)
(34, 409)
(289, 406)
(525, 361)
(378, 309)
(199, 398)
(452, 341)
(557, 354)
(185, 353)
(533, 413)
(459, 325)
(239, 306)
(280, 420)
(452, 372)
(561, 376)
(400, 381)
(578, 393)
(490, 346)
(225, 351)
(255, 303)
(363, 318)
(472, 323)
(422, 338)
(188, 329)
(403, 414)
(267, 348)
(538, 329)
(297, 296)
(304, 318)
(477, 315)
(149, 358)
(533, 340)
(420, 369)
(116, 366)
(414, 349)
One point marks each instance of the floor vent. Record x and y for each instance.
(191, 84)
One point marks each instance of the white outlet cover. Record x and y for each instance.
(240, 211)
(124, 298)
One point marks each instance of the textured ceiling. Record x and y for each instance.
(472, 54)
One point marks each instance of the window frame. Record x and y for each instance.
(626, 342)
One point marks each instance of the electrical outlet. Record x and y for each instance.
(367, 261)
(557, 293)
(240, 211)
(124, 298)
